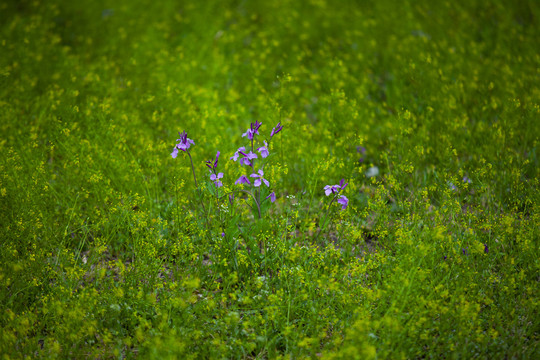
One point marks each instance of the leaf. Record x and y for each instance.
(210, 187)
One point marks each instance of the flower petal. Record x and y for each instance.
(327, 190)
(343, 201)
(272, 196)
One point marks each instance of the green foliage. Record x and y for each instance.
(430, 111)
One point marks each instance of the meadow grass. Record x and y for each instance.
(429, 111)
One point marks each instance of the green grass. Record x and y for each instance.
(109, 250)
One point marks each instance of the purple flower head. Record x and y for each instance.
(341, 184)
(183, 144)
(243, 180)
(276, 129)
(247, 157)
(263, 150)
(331, 189)
(214, 165)
(466, 179)
(249, 134)
(253, 129)
(237, 153)
(272, 196)
(222, 234)
(255, 126)
(343, 201)
(486, 249)
(215, 178)
(259, 179)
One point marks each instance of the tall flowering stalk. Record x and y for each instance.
(183, 144)
(246, 158)
(341, 199)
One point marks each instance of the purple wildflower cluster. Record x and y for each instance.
(253, 176)
(336, 189)
(248, 158)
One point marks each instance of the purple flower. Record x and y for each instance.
(276, 129)
(486, 249)
(466, 179)
(260, 179)
(331, 189)
(236, 154)
(272, 196)
(263, 150)
(253, 129)
(222, 234)
(214, 165)
(255, 126)
(334, 189)
(249, 134)
(215, 178)
(247, 157)
(343, 201)
(184, 144)
(243, 180)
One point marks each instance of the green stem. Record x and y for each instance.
(313, 191)
(254, 199)
(177, 207)
(199, 192)
(325, 217)
(193, 170)
(247, 192)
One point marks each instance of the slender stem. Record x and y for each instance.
(247, 192)
(258, 192)
(177, 207)
(193, 169)
(230, 192)
(199, 192)
(313, 191)
(258, 197)
(254, 199)
(217, 202)
(325, 217)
